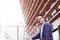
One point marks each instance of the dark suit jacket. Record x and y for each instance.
(47, 33)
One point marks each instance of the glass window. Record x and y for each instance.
(52, 4)
(56, 35)
(59, 8)
(52, 14)
(11, 33)
(55, 24)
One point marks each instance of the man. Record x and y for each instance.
(45, 32)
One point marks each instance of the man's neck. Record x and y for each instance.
(43, 23)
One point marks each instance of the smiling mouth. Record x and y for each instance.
(38, 21)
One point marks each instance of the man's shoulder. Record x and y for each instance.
(47, 23)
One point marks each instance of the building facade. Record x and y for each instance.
(50, 9)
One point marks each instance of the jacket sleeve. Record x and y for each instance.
(36, 36)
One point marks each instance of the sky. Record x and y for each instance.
(10, 13)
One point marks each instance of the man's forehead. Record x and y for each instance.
(39, 17)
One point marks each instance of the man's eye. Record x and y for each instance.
(37, 19)
(40, 18)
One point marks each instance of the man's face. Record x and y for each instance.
(40, 19)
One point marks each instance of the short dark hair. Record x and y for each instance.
(39, 15)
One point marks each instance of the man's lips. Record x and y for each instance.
(39, 21)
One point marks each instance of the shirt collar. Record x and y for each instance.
(43, 23)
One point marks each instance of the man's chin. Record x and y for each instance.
(40, 22)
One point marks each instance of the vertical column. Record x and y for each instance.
(0, 32)
(17, 32)
(3, 33)
(59, 31)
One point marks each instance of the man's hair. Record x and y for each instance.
(39, 15)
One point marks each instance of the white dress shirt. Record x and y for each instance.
(41, 30)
